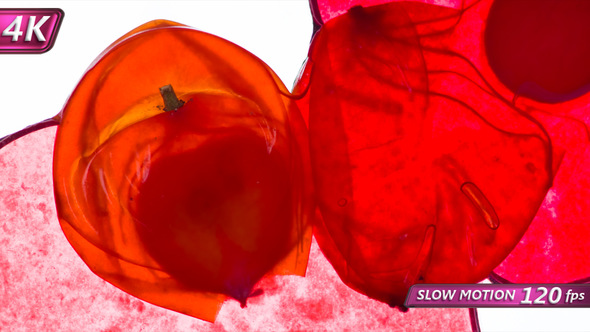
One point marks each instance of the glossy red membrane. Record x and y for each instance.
(184, 207)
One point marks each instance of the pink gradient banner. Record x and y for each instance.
(29, 30)
(495, 295)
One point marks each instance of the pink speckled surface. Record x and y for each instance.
(555, 248)
(45, 286)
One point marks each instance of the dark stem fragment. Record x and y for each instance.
(171, 101)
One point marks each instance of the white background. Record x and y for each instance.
(35, 87)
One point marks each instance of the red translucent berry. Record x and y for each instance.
(423, 172)
(540, 50)
(183, 205)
